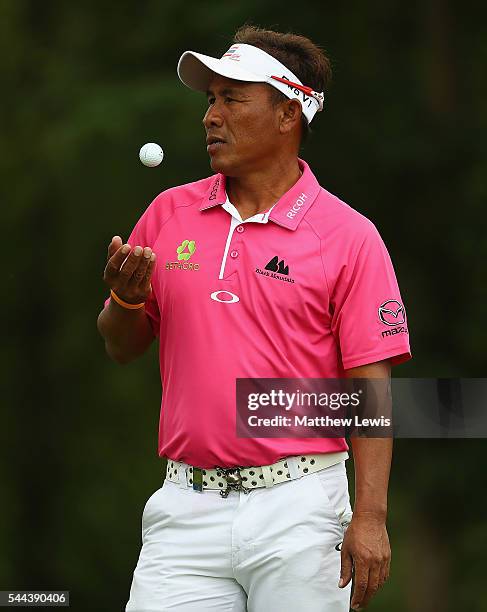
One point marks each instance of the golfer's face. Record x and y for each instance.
(241, 126)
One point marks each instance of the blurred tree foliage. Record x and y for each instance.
(84, 85)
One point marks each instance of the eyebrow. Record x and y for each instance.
(227, 91)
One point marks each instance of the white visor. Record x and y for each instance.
(248, 63)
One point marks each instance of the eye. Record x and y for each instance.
(211, 101)
(227, 99)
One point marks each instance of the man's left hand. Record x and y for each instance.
(366, 549)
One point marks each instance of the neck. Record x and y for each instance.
(257, 191)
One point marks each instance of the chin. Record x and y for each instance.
(223, 166)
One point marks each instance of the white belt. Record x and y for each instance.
(244, 478)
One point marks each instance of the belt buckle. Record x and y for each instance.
(197, 479)
(233, 479)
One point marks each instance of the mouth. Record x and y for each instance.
(214, 144)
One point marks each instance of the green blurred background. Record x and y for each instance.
(84, 85)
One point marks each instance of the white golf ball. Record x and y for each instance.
(151, 154)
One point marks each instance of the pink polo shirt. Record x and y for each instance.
(304, 290)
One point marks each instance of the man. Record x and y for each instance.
(260, 273)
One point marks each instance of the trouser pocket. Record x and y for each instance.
(332, 485)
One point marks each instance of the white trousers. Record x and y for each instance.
(274, 549)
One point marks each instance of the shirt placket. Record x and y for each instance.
(235, 250)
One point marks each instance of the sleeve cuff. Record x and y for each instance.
(395, 355)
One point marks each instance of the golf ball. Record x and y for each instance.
(151, 154)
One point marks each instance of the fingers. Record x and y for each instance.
(148, 273)
(114, 245)
(129, 267)
(139, 273)
(368, 580)
(366, 553)
(384, 570)
(373, 584)
(346, 569)
(128, 271)
(360, 585)
(115, 262)
(383, 575)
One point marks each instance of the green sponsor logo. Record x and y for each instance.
(186, 249)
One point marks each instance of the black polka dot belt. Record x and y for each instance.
(240, 478)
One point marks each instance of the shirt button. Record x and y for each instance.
(240, 228)
(234, 254)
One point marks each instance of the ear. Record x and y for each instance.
(290, 115)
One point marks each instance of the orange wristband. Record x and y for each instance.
(125, 304)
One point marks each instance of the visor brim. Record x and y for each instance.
(197, 70)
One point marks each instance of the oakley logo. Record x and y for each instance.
(392, 313)
(297, 206)
(217, 295)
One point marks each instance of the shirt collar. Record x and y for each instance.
(258, 218)
(288, 211)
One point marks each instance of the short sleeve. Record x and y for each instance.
(368, 315)
(145, 234)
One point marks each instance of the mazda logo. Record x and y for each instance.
(392, 313)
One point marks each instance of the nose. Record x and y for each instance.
(213, 117)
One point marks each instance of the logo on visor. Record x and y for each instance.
(392, 313)
(308, 100)
(231, 54)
